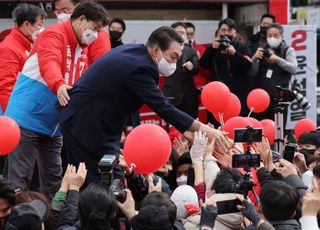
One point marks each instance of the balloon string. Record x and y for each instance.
(251, 110)
(221, 119)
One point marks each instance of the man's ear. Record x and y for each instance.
(154, 50)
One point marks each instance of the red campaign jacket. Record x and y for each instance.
(14, 51)
(56, 48)
(99, 47)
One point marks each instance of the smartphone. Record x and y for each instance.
(275, 156)
(289, 150)
(228, 206)
(246, 161)
(247, 135)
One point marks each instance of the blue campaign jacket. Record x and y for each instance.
(116, 85)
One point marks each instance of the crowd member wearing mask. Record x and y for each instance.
(179, 88)
(116, 29)
(260, 38)
(56, 62)
(7, 201)
(64, 10)
(273, 65)
(228, 62)
(15, 48)
(118, 84)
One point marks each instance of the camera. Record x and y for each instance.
(106, 165)
(267, 53)
(117, 188)
(248, 135)
(287, 95)
(48, 6)
(228, 206)
(224, 43)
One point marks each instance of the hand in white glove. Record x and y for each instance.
(199, 146)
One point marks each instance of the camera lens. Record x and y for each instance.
(302, 101)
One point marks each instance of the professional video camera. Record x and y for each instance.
(224, 42)
(106, 165)
(287, 95)
(247, 160)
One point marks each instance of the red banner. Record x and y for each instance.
(280, 9)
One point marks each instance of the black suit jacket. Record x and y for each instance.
(116, 85)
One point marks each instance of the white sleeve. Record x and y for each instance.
(309, 223)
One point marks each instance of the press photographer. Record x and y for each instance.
(273, 65)
(228, 60)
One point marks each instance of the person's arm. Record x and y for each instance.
(69, 213)
(206, 59)
(310, 208)
(144, 86)
(289, 173)
(289, 64)
(10, 67)
(49, 52)
(211, 168)
(241, 59)
(194, 60)
(196, 152)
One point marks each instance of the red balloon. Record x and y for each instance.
(269, 129)
(9, 135)
(233, 109)
(235, 123)
(255, 123)
(147, 147)
(303, 126)
(215, 95)
(258, 100)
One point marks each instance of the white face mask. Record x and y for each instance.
(36, 33)
(88, 36)
(274, 42)
(165, 68)
(182, 180)
(63, 17)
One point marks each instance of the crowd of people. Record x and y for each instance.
(73, 88)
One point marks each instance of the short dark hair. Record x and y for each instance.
(278, 200)
(161, 199)
(277, 26)
(190, 25)
(7, 192)
(120, 21)
(163, 36)
(97, 207)
(27, 12)
(312, 138)
(53, 3)
(176, 24)
(227, 181)
(92, 11)
(229, 22)
(269, 16)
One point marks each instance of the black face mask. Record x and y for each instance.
(263, 30)
(307, 153)
(115, 35)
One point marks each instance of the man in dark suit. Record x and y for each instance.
(116, 85)
(179, 88)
